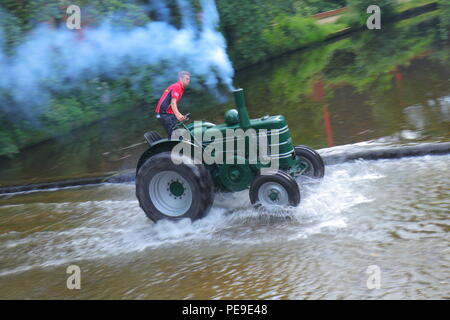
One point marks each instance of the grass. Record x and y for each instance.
(403, 6)
(417, 19)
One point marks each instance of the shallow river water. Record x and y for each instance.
(391, 216)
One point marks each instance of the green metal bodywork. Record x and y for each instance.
(238, 170)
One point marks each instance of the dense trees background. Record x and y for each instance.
(254, 30)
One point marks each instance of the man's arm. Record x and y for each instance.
(177, 113)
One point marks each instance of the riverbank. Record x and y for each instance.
(330, 156)
(339, 23)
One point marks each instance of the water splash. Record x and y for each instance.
(107, 228)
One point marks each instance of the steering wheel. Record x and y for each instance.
(181, 123)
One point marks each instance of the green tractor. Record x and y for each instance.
(175, 185)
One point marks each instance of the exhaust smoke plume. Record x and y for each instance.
(57, 60)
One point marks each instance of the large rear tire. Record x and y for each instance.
(275, 189)
(166, 190)
(308, 157)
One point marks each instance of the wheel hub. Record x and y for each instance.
(176, 188)
(274, 195)
(170, 193)
(306, 167)
(235, 174)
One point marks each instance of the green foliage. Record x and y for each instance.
(241, 23)
(311, 7)
(254, 30)
(288, 33)
(291, 32)
(357, 15)
(7, 144)
(10, 31)
(402, 6)
(444, 19)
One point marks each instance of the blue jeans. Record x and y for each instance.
(168, 121)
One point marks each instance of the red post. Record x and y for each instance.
(327, 124)
(319, 96)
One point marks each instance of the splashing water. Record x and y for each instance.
(116, 225)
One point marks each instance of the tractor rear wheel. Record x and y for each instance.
(275, 189)
(166, 190)
(311, 160)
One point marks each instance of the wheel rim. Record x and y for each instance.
(272, 193)
(170, 193)
(309, 171)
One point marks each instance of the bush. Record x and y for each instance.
(291, 32)
(358, 15)
(247, 26)
(444, 19)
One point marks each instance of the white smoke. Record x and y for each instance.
(51, 60)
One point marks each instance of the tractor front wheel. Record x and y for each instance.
(311, 161)
(166, 190)
(275, 189)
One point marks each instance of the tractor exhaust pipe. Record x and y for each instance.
(239, 99)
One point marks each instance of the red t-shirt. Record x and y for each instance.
(174, 91)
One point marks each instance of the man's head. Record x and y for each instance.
(184, 77)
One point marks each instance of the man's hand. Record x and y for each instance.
(180, 117)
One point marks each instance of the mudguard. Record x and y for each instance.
(158, 147)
